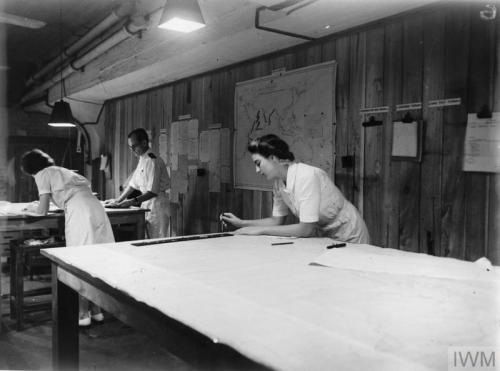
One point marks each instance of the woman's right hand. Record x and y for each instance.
(32, 207)
(231, 219)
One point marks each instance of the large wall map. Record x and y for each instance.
(298, 106)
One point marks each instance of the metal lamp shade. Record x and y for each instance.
(182, 15)
(61, 115)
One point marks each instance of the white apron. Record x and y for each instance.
(86, 221)
(158, 219)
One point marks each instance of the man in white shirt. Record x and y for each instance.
(151, 179)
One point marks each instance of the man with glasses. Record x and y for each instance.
(151, 179)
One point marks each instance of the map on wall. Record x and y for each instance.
(298, 106)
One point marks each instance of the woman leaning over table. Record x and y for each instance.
(306, 191)
(86, 222)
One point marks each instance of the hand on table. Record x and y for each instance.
(231, 219)
(122, 204)
(125, 203)
(249, 231)
(31, 208)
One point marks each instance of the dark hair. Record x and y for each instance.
(139, 134)
(269, 145)
(35, 160)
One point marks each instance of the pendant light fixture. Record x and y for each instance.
(61, 115)
(182, 15)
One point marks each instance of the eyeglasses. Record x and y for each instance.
(134, 146)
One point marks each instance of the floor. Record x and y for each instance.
(107, 346)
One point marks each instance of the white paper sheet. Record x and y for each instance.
(174, 144)
(205, 146)
(163, 145)
(214, 164)
(183, 137)
(268, 303)
(405, 139)
(482, 144)
(225, 147)
(368, 258)
(225, 174)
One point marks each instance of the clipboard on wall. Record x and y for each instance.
(407, 140)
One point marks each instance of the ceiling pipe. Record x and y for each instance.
(117, 14)
(133, 27)
(277, 7)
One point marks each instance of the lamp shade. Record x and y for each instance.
(182, 15)
(61, 115)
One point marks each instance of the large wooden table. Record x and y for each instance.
(239, 302)
(22, 226)
(18, 223)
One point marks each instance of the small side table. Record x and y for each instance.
(18, 307)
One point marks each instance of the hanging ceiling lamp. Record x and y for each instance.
(61, 115)
(182, 15)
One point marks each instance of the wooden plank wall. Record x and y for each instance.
(429, 206)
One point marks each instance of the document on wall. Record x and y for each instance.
(405, 139)
(163, 145)
(482, 144)
(225, 147)
(182, 181)
(214, 164)
(205, 146)
(150, 137)
(225, 174)
(193, 140)
(174, 144)
(183, 137)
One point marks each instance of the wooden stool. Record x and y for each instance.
(18, 306)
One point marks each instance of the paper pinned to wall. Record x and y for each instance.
(179, 184)
(193, 128)
(182, 175)
(298, 106)
(163, 145)
(183, 137)
(482, 144)
(150, 137)
(204, 146)
(174, 144)
(214, 164)
(405, 139)
(104, 162)
(225, 147)
(225, 174)
(193, 140)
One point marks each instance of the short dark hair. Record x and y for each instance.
(140, 134)
(269, 145)
(35, 160)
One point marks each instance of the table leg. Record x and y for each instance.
(17, 283)
(65, 325)
(1, 253)
(140, 227)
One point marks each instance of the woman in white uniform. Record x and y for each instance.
(86, 222)
(306, 191)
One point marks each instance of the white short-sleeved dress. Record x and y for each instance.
(311, 196)
(86, 222)
(151, 175)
